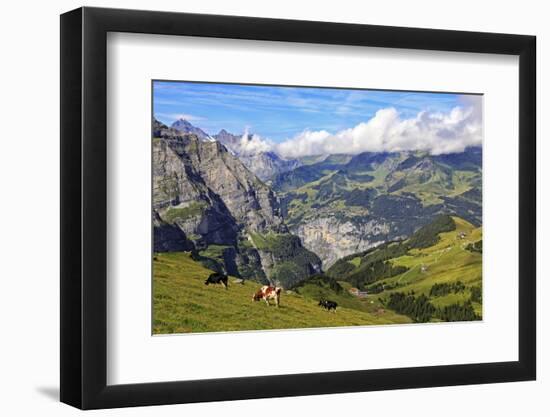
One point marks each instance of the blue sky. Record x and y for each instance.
(280, 113)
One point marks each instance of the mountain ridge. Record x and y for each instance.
(343, 206)
(265, 164)
(182, 125)
(204, 194)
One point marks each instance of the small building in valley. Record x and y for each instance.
(358, 293)
(354, 291)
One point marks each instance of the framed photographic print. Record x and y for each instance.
(257, 208)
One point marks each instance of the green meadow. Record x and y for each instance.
(183, 304)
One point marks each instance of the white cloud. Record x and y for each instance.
(306, 143)
(253, 144)
(435, 132)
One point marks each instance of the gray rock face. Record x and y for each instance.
(183, 126)
(203, 196)
(168, 238)
(265, 165)
(207, 191)
(230, 141)
(332, 239)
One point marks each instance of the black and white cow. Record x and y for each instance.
(217, 278)
(329, 305)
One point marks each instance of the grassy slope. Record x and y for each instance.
(183, 304)
(430, 192)
(447, 261)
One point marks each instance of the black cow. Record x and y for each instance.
(217, 278)
(329, 305)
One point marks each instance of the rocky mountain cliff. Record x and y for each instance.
(185, 127)
(229, 140)
(264, 164)
(207, 201)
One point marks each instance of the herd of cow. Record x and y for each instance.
(266, 293)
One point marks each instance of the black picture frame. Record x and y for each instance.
(84, 207)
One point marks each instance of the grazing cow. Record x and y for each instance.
(267, 293)
(217, 278)
(329, 305)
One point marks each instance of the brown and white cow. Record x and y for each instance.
(267, 293)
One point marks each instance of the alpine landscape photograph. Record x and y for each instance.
(283, 207)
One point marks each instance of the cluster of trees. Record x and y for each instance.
(427, 235)
(294, 262)
(341, 269)
(462, 207)
(421, 310)
(458, 312)
(440, 290)
(296, 178)
(323, 281)
(359, 197)
(384, 252)
(378, 287)
(359, 177)
(397, 207)
(371, 266)
(374, 271)
(476, 294)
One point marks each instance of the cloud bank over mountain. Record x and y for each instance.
(253, 144)
(435, 132)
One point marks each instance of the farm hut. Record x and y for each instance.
(354, 291)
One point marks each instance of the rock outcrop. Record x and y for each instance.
(206, 199)
(332, 239)
(264, 164)
(185, 127)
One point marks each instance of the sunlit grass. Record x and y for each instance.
(183, 304)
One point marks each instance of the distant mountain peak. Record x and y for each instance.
(182, 120)
(184, 126)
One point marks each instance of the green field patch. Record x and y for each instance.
(215, 251)
(174, 214)
(355, 261)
